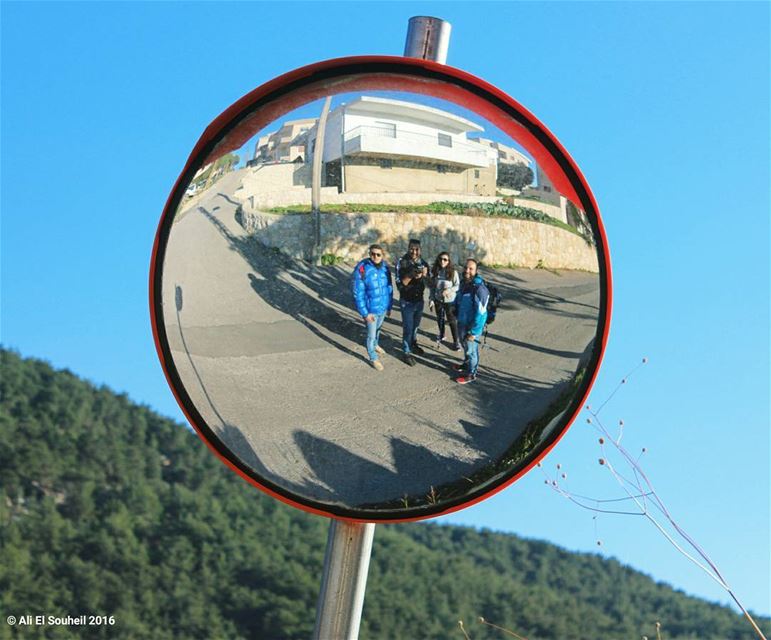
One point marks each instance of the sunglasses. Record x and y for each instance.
(375, 254)
(444, 259)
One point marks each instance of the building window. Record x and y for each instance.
(547, 188)
(386, 129)
(386, 163)
(476, 173)
(441, 168)
(313, 145)
(502, 155)
(445, 140)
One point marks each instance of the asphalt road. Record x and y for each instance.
(272, 353)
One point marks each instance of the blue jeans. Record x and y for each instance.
(373, 334)
(470, 351)
(412, 312)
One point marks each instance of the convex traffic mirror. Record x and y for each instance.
(380, 288)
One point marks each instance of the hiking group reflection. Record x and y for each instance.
(407, 343)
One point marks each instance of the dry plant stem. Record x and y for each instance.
(506, 631)
(647, 496)
(716, 576)
(463, 630)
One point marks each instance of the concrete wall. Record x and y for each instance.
(278, 185)
(366, 175)
(558, 211)
(267, 178)
(492, 240)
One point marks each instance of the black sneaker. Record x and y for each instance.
(410, 360)
(458, 367)
(418, 350)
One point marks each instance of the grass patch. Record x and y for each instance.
(330, 260)
(481, 209)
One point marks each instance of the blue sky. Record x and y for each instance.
(663, 105)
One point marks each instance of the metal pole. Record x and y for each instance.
(346, 563)
(349, 545)
(428, 38)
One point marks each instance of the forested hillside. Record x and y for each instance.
(110, 509)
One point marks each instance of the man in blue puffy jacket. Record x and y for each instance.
(471, 312)
(373, 294)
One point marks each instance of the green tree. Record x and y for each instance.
(108, 508)
(514, 176)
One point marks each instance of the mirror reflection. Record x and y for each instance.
(380, 301)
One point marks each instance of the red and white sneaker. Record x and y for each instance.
(466, 379)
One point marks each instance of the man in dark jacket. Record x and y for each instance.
(411, 280)
(373, 294)
(471, 312)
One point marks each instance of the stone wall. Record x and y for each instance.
(494, 241)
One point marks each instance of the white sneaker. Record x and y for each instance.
(377, 364)
(380, 350)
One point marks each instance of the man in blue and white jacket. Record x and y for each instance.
(471, 312)
(373, 294)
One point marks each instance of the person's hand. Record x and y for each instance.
(470, 337)
(431, 305)
(370, 317)
(388, 313)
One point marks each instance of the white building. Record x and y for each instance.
(285, 145)
(384, 145)
(506, 154)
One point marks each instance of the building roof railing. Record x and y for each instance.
(427, 142)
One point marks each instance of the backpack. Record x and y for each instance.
(493, 302)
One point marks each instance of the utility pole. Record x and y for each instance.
(318, 156)
(349, 544)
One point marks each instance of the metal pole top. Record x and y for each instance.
(428, 38)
